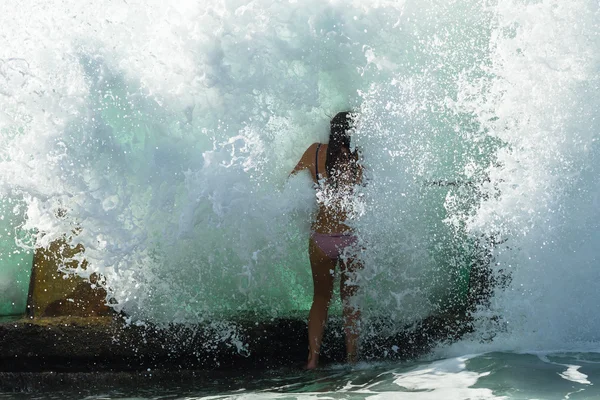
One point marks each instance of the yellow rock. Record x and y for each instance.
(53, 293)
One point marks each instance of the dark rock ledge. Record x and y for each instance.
(41, 354)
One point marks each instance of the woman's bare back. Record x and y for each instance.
(333, 202)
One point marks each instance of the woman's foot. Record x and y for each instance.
(351, 358)
(311, 365)
(313, 361)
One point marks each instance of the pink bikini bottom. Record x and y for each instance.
(334, 244)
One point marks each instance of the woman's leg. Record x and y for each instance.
(348, 289)
(322, 271)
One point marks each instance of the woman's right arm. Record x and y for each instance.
(306, 161)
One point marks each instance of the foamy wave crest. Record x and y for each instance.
(542, 187)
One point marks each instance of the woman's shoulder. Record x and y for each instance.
(312, 149)
(308, 157)
(318, 145)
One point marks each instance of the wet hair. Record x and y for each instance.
(339, 136)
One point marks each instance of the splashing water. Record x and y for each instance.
(160, 137)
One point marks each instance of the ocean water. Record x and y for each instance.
(160, 137)
(495, 375)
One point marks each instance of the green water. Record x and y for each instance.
(15, 262)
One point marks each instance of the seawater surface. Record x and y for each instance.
(497, 375)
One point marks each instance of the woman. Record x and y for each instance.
(335, 170)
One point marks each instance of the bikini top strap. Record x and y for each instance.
(317, 162)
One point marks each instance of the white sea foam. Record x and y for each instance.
(543, 185)
(445, 379)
